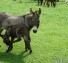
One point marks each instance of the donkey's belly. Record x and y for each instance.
(19, 32)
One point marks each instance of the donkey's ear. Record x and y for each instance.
(31, 10)
(39, 11)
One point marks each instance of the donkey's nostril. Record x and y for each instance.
(34, 31)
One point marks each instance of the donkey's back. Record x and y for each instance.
(13, 21)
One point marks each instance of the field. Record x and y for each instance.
(49, 44)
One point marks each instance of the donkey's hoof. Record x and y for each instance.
(7, 51)
(30, 51)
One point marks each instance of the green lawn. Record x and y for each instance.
(50, 44)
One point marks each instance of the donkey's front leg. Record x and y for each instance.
(29, 46)
(26, 49)
(27, 43)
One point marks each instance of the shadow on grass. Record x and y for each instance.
(12, 58)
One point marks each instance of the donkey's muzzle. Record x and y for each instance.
(35, 29)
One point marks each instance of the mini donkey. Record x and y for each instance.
(30, 21)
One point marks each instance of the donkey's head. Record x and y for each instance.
(35, 19)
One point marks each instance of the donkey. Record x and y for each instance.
(30, 21)
(53, 2)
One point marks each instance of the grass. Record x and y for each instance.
(50, 44)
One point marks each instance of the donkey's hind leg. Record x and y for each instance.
(1, 31)
(10, 47)
(18, 35)
(47, 3)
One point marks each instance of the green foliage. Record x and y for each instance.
(50, 44)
